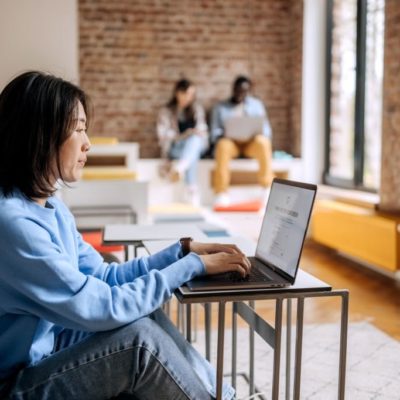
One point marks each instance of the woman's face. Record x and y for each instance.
(185, 98)
(73, 151)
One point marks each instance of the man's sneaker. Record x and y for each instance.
(222, 200)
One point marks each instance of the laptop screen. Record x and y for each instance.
(285, 224)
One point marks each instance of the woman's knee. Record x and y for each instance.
(196, 143)
(144, 332)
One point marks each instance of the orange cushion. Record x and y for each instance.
(95, 239)
(247, 206)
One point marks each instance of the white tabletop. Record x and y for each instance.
(247, 246)
(305, 283)
(130, 233)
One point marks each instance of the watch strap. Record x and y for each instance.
(185, 245)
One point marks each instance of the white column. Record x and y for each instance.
(40, 35)
(313, 89)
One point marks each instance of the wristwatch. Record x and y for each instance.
(185, 245)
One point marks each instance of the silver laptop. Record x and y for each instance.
(280, 242)
(243, 128)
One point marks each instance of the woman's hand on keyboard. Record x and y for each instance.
(218, 263)
(211, 248)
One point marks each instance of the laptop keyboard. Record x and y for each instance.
(255, 275)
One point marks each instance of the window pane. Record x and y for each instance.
(343, 89)
(373, 92)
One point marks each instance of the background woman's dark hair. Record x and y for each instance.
(182, 86)
(37, 114)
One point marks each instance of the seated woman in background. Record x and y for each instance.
(71, 325)
(183, 135)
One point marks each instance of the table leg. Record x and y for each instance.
(178, 316)
(189, 323)
(288, 345)
(343, 344)
(195, 319)
(234, 344)
(207, 316)
(251, 349)
(220, 350)
(299, 346)
(277, 349)
(181, 317)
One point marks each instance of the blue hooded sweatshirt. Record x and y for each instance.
(50, 279)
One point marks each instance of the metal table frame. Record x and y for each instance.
(273, 336)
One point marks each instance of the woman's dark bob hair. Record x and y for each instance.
(182, 86)
(38, 112)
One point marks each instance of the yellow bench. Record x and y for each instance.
(108, 173)
(361, 232)
(103, 140)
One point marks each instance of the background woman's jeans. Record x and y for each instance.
(189, 151)
(147, 360)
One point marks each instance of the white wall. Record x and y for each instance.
(313, 92)
(41, 35)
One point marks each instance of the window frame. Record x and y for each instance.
(359, 112)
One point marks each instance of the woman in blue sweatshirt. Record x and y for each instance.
(71, 325)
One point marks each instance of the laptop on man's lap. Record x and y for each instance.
(243, 128)
(280, 242)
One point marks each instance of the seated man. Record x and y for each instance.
(240, 104)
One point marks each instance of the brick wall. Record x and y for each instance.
(390, 170)
(132, 52)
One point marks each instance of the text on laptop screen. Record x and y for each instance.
(283, 229)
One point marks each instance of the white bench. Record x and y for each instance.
(110, 190)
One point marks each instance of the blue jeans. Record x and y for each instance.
(147, 359)
(189, 150)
